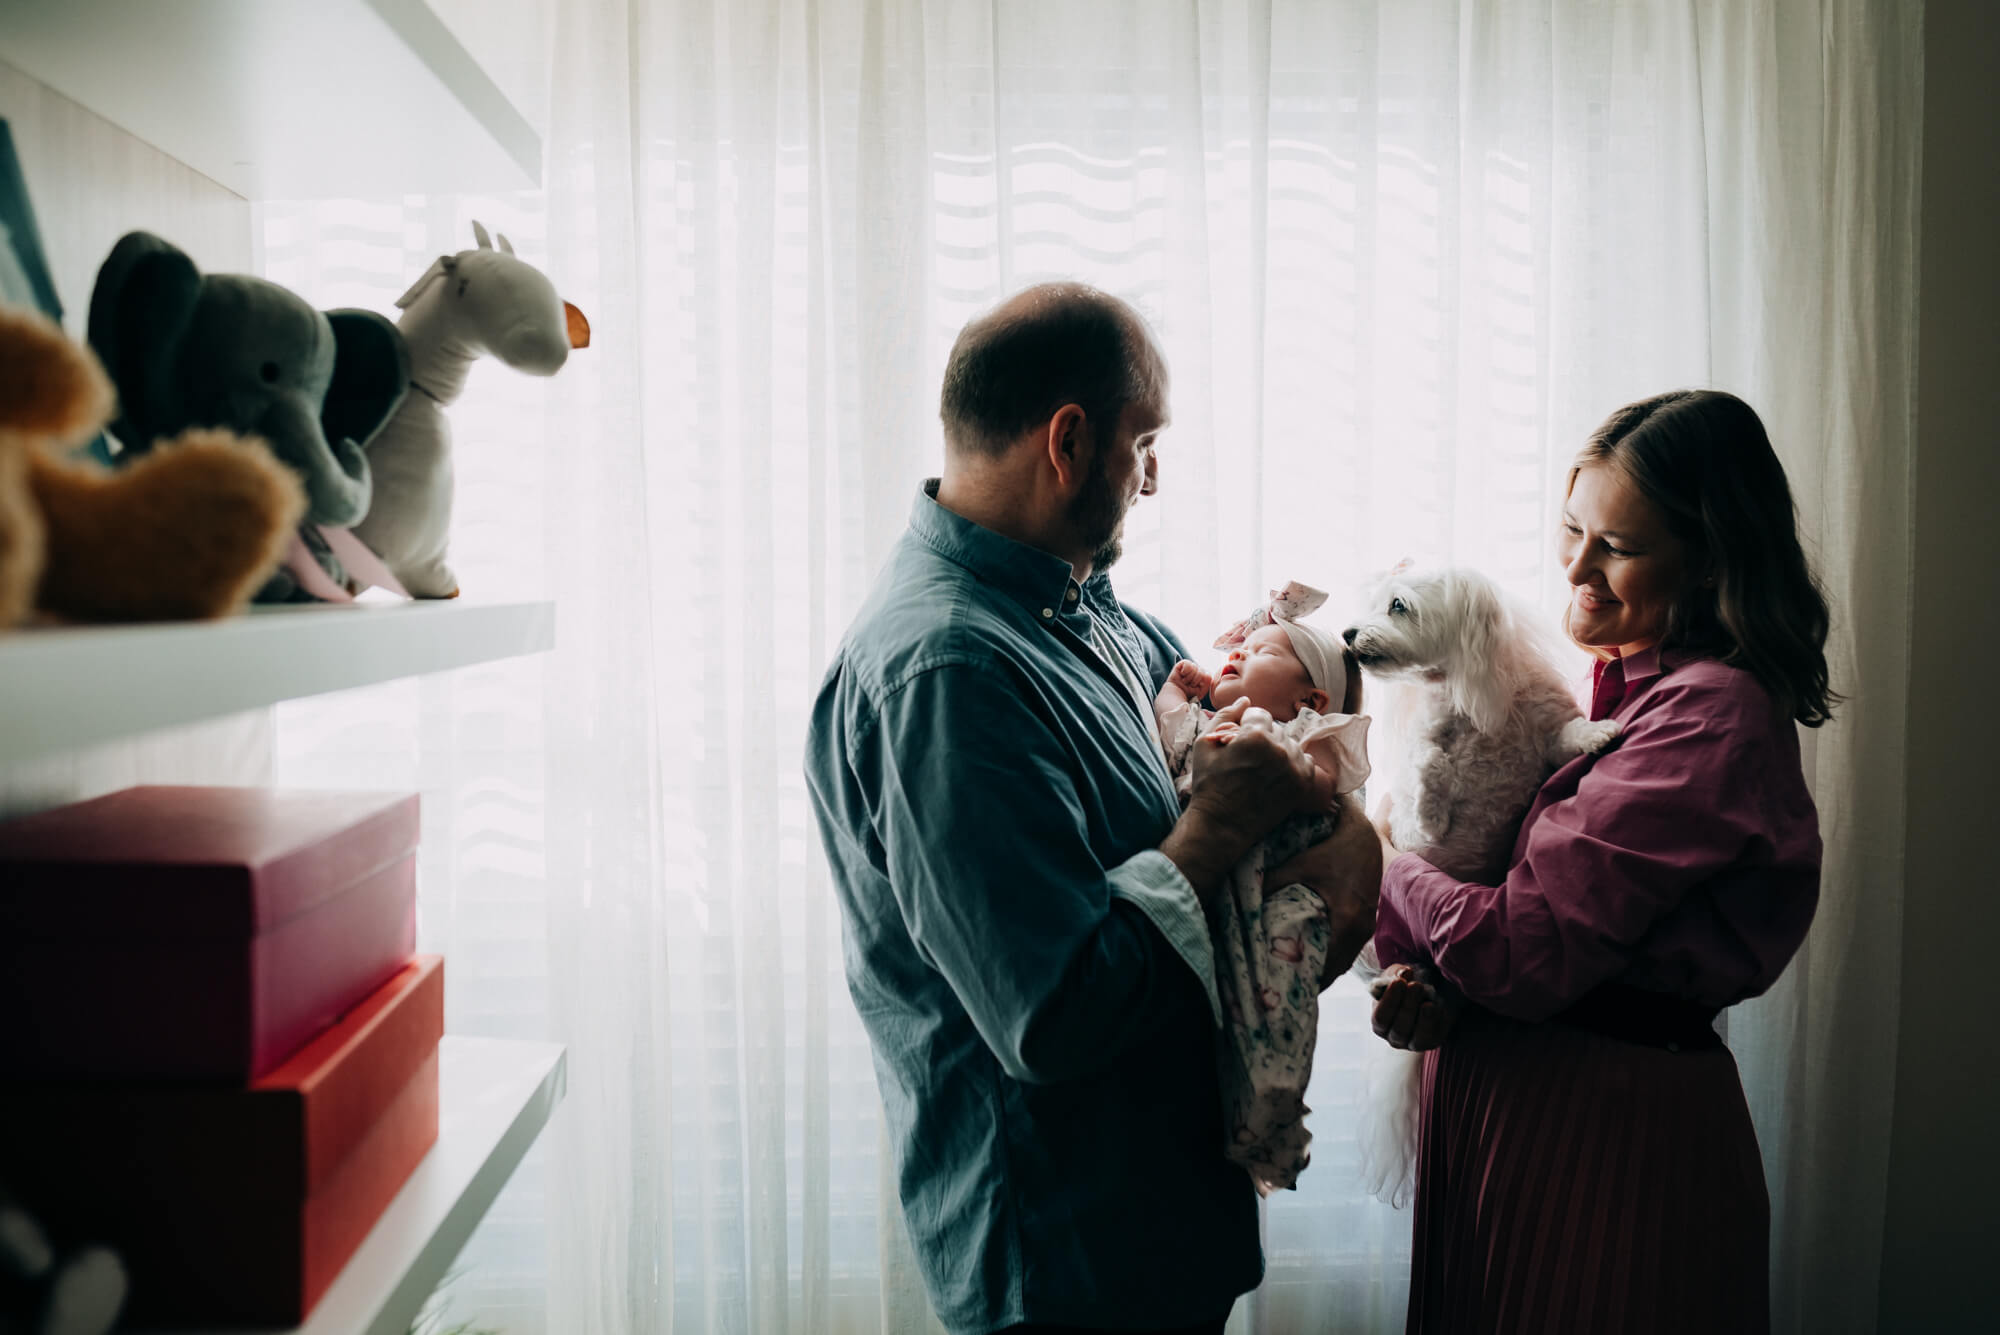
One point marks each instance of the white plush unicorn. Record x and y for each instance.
(466, 306)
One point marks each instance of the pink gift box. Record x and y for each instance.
(197, 933)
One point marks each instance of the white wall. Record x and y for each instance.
(1944, 1173)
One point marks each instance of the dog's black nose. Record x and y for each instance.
(1348, 635)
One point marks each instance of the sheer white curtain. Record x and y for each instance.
(1402, 256)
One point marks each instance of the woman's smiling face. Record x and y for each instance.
(1625, 567)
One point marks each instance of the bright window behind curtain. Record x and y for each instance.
(1402, 257)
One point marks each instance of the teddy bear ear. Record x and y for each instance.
(479, 235)
(49, 387)
(506, 246)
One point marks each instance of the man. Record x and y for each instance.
(1021, 893)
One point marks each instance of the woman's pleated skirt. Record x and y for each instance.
(1572, 1182)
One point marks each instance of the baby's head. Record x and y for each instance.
(1288, 666)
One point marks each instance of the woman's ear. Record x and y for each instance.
(1315, 700)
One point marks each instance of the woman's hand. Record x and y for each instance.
(1409, 1012)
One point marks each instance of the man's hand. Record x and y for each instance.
(1248, 776)
(1345, 871)
(1193, 681)
(1409, 1012)
(1246, 779)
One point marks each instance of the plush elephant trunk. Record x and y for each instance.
(335, 473)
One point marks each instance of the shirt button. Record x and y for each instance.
(1071, 595)
(1048, 612)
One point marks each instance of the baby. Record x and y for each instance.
(1269, 950)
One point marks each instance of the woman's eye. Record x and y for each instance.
(1618, 551)
(1573, 530)
(1396, 607)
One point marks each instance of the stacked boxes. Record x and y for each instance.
(218, 1055)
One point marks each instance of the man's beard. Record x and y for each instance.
(1099, 517)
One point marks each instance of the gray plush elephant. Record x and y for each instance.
(188, 349)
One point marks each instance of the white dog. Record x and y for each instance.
(1494, 716)
(1491, 719)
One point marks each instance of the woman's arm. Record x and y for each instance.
(1681, 799)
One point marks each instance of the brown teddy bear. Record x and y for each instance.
(190, 530)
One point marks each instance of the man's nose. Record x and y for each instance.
(1151, 483)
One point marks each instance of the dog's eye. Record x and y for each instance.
(1396, 607)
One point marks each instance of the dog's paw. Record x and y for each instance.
(1581, 737)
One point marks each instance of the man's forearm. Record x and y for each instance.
(1204, 850)
(1349, 936)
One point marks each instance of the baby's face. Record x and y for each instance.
(1265, 671)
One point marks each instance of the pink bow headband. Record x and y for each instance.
(1287, 604)
(1319, 651)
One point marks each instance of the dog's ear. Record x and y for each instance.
(1478, 680)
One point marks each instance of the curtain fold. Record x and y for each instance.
(1402, 255)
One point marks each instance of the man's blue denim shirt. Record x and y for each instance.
(1034, 975)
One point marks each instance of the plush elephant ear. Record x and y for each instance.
(140, 311)
(371, 373)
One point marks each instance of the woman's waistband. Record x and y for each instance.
(1651, 1019)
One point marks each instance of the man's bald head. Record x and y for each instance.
(1047, 346)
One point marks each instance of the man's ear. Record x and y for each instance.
(1068, 446)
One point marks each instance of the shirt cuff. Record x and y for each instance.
(1151, 883)
(1401, 934)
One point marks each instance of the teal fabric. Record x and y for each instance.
(24, 268)
(30, 267)
(1035, 978)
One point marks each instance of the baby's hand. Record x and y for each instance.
(1194, 683)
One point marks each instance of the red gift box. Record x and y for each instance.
(240, 1206)
(196, 933)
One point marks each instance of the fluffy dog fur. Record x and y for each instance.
(1494, 717)
(1491, 717)
(190, 530)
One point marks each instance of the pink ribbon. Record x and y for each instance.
(1287, 604)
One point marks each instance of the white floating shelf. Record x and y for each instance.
(494, 1098)
(285, 99)
(67, 687)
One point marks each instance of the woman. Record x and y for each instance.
(1586, 1160)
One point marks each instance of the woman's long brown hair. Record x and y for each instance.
(1703, 459)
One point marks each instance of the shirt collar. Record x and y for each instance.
(1617, 679)
(1030, 576)
(1644, 666)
